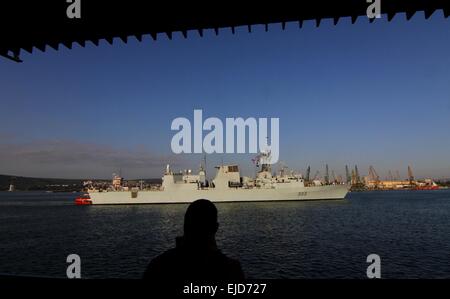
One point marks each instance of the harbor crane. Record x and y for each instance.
(390, 176)
(308, 173)
(327, 175)
(410, 175)
(357, 179)
(373, 176)
(348, 177)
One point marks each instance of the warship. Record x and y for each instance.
(227, 186)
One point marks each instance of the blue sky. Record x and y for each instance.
(368, 94)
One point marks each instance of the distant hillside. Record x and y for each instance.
(52, 184)
(28, 184)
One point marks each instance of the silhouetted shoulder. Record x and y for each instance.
(182, 264)
(161, 266)
(230, 268)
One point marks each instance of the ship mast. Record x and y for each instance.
(204, 163)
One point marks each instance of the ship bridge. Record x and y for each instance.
(227, 176)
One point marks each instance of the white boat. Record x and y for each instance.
(227, 186)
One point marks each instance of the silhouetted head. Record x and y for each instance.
(200, 220)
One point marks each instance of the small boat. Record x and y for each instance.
(83, 200)
(428, 184)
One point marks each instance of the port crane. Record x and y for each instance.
(348, 177)
(390, 176)
(355, 176)
(410, 175)
(308, 173)
(373, 176)
(327, 176)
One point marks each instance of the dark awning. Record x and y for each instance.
(25, 25)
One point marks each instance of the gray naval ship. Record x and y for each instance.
(227, 186)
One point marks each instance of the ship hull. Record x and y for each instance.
(229, 195)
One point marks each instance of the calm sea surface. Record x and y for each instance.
(410, 230)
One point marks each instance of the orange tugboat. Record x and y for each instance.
(428, 184)
(83, 200)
